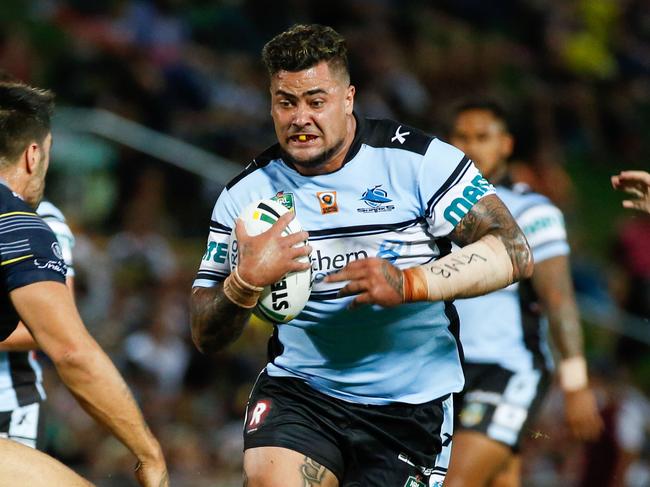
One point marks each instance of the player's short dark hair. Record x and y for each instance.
(25, 114)
(488, 105)
(304, 46)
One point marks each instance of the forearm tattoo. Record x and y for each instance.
(216, 321)
(312, 472)
(393, 277)
(490, 215)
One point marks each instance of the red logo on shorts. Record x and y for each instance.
(258, 414)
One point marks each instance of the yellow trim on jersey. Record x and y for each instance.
(11, 261)
(17, 213)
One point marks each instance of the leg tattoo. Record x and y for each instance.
(312, 472)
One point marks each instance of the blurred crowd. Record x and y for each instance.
(574, 75)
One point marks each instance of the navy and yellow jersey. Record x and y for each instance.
(398, 196)
(29, 253)
(506, 327)
(21, 376)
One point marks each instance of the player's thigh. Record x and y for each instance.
(272, 466)
(475, 460)
(22, 465)
(510, 474)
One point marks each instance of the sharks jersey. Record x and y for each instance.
(398, 196)
(506, 327)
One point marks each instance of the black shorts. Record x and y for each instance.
(500, 403)
(400, 445)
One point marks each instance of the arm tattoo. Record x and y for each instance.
(393, 277)
(490, 216)
(215, 320)
(312, 472)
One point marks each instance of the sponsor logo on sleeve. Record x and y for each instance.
(51, 265)
(473, 192)
(216, 252)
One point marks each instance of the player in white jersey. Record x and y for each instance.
(357, 388)
(502, 334)
(21, 376)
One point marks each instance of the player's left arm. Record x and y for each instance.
(495, 253)
(552, 283)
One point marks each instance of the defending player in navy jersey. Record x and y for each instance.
(506, 358)
(32, 272)
(21, 377)
(357, 388)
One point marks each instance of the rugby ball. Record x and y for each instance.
(284, 300)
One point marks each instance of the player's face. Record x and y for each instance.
(480, 135)
(311, 111)
(33, 193)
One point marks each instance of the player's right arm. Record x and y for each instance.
(220, 312)
(49, 312)
(21, 340)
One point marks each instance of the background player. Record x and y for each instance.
(353, 395)
(33, 275)
(505, 354)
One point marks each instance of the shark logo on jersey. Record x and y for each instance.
(376, 198)
(286, 200)
(400, 137)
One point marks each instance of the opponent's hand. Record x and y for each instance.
(582, 414)
(636, 183)
(265, 258)
(375, 281)
(152, 474)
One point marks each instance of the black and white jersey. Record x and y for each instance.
(29, 253)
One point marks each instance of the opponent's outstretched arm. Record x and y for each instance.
(494, 255)
(218, 314)
(48, 310)
(636, 184)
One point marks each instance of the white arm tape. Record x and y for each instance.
(476, 269)
(573, 374)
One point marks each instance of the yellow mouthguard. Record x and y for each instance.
(302, 138)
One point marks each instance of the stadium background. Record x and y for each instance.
(574, 75)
